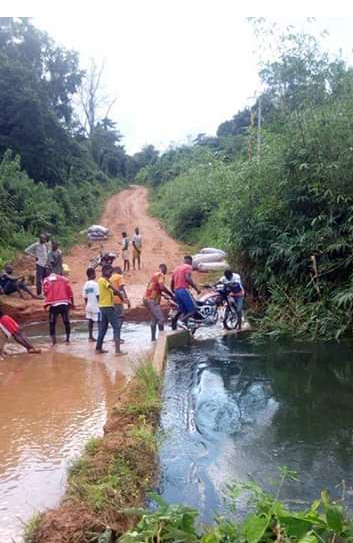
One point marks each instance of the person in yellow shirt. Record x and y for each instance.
(106, 307)
(152, 299)
(118, 283)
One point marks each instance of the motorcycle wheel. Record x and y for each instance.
(230, 320)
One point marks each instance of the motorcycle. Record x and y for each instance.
(102, 259)
(211, 306)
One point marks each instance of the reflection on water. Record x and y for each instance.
(235, 411)
(50, 404)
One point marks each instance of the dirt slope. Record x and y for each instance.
(123, 212)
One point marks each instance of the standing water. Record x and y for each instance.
(237, 411)
(50, 405)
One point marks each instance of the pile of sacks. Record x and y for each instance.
(210, 259)
(96, 232)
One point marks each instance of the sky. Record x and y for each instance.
(177, 68)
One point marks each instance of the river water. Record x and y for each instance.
(50, 405)
(238, 411)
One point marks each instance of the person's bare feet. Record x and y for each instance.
(101, 351)
(34, 351)
(92, 339)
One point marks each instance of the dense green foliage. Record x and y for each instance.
(53, 174)
(284, 209)
(269, 520)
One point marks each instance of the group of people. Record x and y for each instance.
(136, 243)
(105, 298)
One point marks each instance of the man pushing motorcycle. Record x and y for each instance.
(181, 283)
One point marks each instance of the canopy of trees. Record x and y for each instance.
(284, 208)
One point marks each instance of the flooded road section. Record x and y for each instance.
(236, 411)
(50, 405)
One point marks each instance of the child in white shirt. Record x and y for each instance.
(90, 294)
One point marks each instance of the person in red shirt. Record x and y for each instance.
(152, 299)
(58, 297)
(181, 283)
(11, 328)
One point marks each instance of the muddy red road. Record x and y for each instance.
(123, 212)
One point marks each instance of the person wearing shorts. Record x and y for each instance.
(90, 294)
(58, 297)
(181, 283)
(152, 299)
(10, 328)
(125, 252)
(137, 248)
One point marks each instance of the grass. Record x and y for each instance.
(115, 472)
(32, 528)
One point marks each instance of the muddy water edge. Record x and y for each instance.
(50, 405)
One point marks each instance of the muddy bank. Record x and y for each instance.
(114, 473)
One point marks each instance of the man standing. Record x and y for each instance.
(181, 283)
(58, 297)
(125, 252)
(39, 250)
(118, 283)
(137, 248)
(108, 314)
(152, 299)
(55, 258)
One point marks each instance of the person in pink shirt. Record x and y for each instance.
(181, 283)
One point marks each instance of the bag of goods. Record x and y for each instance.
(96, 232)
(210, 257)
(211, 250)
(212, 266)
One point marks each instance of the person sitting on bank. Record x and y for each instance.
(11, 328)
(137, 248)
(10, 284)
(59, 298)
(39, 251)
(55, 258)
(152, 299)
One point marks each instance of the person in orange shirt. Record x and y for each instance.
(152, 299)
(118, 283)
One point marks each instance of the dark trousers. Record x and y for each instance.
(108, 316)
(41, 273)
(63, 310)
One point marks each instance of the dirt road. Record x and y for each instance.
(123, 212)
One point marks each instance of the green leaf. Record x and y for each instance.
(254, 528)
(308, 538)
(334, 518)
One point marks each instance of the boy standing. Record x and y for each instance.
(39, 250)
(125, 252)
(90, 294)
(59, 297)
(118, 283)
(108, 313)
(137, 248)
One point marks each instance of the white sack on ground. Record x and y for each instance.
(98, 228)
(212, 266)
(208, 250)
(210, 257)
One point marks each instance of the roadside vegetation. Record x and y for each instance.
(279, 200)
(269, 521)
(114, 474)
(60, 153)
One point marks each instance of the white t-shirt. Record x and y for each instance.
(235, 279)
(90, 291)
(137, 240)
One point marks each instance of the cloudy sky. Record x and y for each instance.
(177, 68)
